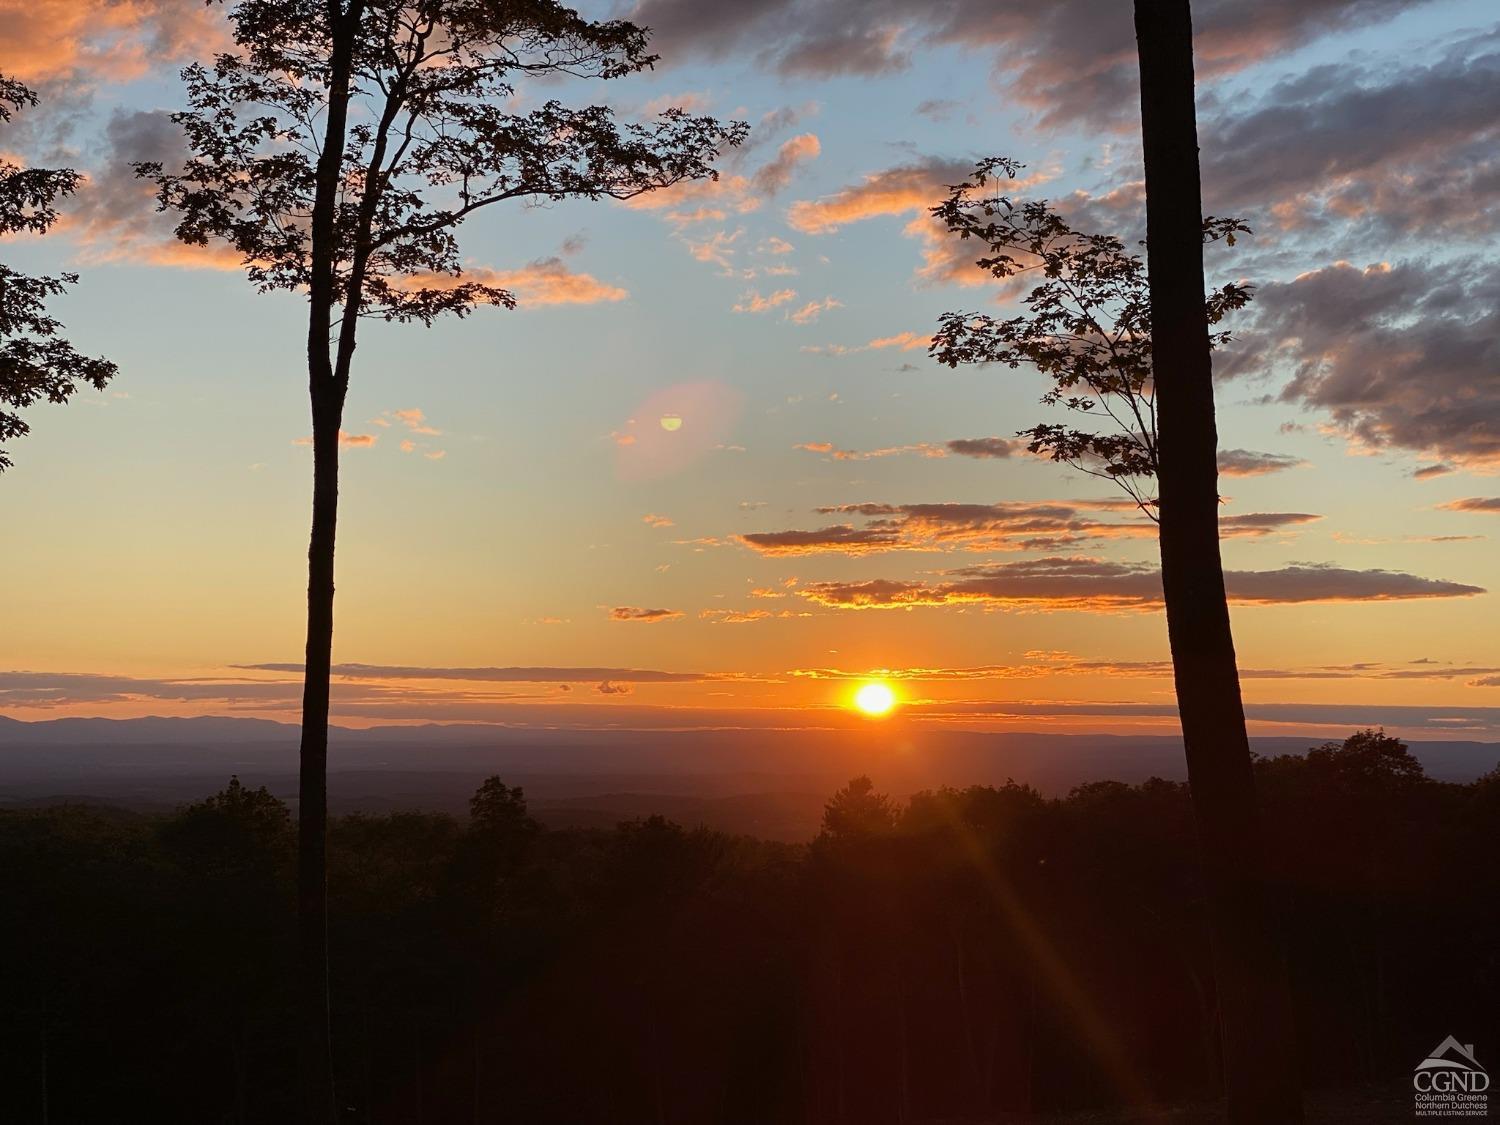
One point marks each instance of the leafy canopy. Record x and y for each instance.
(36, 362)
(429, 140)
(1086, 324)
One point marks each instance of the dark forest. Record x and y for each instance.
(960, 956)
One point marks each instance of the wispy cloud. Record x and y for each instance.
(639, 614)
(1097, 585)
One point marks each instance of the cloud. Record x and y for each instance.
(901, 341)
(1096, 585)
(606, 687)
(1009, 525)
(810, 312)
(113, 218)
(925, 449)
(902, 190)
(1489, 504)
(839, 539)
(1482, 721)
(1042, 665)
(991, 448)
(1428, 472)
(776, 175)
(946, 527)
(651, 519)
(346, 440)
(734, 616)
(1255, 524)
(910, 189)
(1068, 61)
(103, 40)
(636, 613)
(414, 420)
(1400, 357)
(717, 249)
(1395, 149)
(937, 109)
(753, 302)
(55, 689)
(546, 281)
(694, 202)
(1248, 463)
(537, 675)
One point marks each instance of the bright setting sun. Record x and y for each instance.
(875, 698)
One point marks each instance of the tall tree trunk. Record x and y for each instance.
(312, 801)
(1260, 1071)
(326, 392)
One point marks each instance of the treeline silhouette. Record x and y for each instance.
(958, 956)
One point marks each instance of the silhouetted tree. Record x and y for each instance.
(1130, 342)
(35, 362)
(233, 855)
(858, 812)
(1261, 1080)
(1086, 325)
(337, 150)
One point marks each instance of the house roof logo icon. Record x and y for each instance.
(1450, 1054)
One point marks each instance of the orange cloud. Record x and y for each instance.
(718, 249)
(753, 302)
(648, 616)
(108, 40)
(1489, 504)
(894, 191)
(414, 420)
(901, 341)
(811, 311)
(778, 172)
(1043, 525)
(925, 449)
(734, 616)
(908, 189)
(948, 527)
(1248, 463)
(346, 440)
(546, 281)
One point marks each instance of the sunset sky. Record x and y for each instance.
(706, 475)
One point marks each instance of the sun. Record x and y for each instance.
(875, 699)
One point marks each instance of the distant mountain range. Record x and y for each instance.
(902, 757)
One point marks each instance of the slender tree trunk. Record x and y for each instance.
(312, 803)
(326, 392)
(1260, 1071)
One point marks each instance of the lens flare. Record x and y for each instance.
(875, 699)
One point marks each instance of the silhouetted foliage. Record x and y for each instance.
(1086, 324)
(857, 811)
(36, 363)
(938, 958)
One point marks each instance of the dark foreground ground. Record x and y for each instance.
(1388, 1104)
(978, 955)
